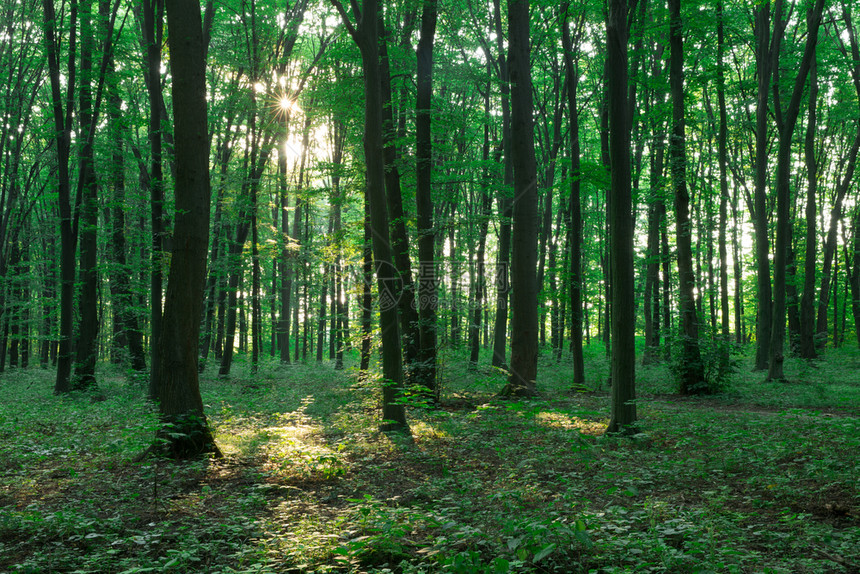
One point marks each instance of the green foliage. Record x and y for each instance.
(719, 359)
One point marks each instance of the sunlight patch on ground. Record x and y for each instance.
(422, 430)
(567, 422)
(290, 453)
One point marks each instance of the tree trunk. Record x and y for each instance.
(760, 210)
(524, 294)
(285, 265)
(366, 36)
(575, 221)
(724, 178)
(807, 306)
(505, 204)
(623, 360)
(62, 112)
(427, 280)
(153, 18)
(88, 324)
(692, 377)
(365, 301)
(480, 284)
(783, 199)
(175, 376)
(120, 279)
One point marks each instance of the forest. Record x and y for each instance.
(429, 286)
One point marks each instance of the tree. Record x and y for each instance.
(426, 235)
(524, 318)
(152, 24)
(366, 36)
(62, 116)
(692, 377)
(786, 120)
(575, 220)
(175, 375)
(623, 360)
(763, 56)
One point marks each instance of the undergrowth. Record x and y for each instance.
(761, 477)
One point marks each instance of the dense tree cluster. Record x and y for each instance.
(440, 173)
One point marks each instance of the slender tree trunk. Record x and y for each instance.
(760, 211)
(285, 265)
(505, 204)
(623, 361)
(427, 280)
(88, 325)
(480, 283)
(120, 274)
(366, 36)
(524, 318)
(807, 305)
(408, 310)
(783, 199)
(365, 301)
(153, 18)
(724, 178)
(571, 61)
(692, 378)
(62, 112)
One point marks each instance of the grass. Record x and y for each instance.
(762, 477)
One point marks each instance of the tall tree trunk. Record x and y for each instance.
(760, 211)
(480, 284)
(571, 61)
(623, 361)
(505, 203)
(285, 265)
(807, 306)
(427, 283)
(408, 310)
(722, 145)
(365, 300)
(175, 377)
(788, 119)
(337, 199)
(120, 274)
(62, 112)
(153, 25)
(692, 376)
(88, 324)
(524, 317)
(366, 36)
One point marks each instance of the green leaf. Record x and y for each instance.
(545, 551)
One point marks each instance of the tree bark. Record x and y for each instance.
(807, 305)
(692, 377)
(175, 376)
(86, 348)
(152, 22)
(505, 203)
(575, 220)
(427, 280)
(764, 68)
(62, 112)
(524, 294)
(724, 177)
(783, 200)
(366, 36)
(408, 309)
(623, 359)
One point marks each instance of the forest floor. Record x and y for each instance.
(761, 478)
